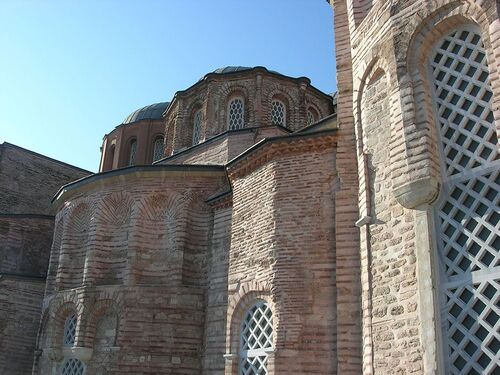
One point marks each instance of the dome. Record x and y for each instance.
(152, 111)
(231, 69)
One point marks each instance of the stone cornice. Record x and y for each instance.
(104, 179)
(268, 149)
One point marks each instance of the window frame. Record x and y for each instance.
(228, 108)
(285, 112)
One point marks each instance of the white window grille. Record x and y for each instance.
(256, 339)
(468, 211)
(132, 152)
(278, 113)
(236, 115)
(158, 149)
(196, 127)
(73, 366)
(70, 330)
(311, 118)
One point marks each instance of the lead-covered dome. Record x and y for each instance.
(152, 111)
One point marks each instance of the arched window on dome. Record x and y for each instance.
(467, 212)
(73, 366)
(256, 339)
(69, 332)
(312, 116)
(197, 127)
(278, 113)
(132, 152)
(158, 148)
(236, 114)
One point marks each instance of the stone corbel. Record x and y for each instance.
(417, 192)
(82, 353)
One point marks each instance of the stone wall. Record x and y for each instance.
(385, 85)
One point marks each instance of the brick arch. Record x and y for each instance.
(116, 208)
(238, 304)
(97, 311)
(58, 314)
(227, 92)
(417, 127)
(290, 105)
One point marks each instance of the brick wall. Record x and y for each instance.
(283, 251)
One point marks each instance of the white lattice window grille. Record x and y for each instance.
(196, 127)
(469, 210)
(158, 149)
(236, 114)
(256, 339)
(69, 333)
(311, 117)
(278, 113)
(73, 366)
(132, 152)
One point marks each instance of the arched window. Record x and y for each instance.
(278, 113)
(69, 333)
(256, 339)
(111, 157)
(73, 366)
(196, 127)
(236, 114)
(158, 148)
(132, 152)
(468, 212)
(312, 116)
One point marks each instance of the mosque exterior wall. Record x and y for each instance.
(401, 100)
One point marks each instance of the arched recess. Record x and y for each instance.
(417, 174)
(229, 91)
(433, 222)
(193, 133)
(238, 305)
(157, 147)
(109, 256)
(379, 220)
(110, 157)
(58, 315)
(101, 334)
(55, 253)
(161, 216)
(195, 243)
(279, 93)
(75, 243)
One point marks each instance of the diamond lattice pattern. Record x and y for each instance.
(469, 212)
(70, 330)
(463, 95)
(158, 149)
(256, 339)
(236, 114)
(73, 366)
(278, 113)
(196, 127)
(310, 118)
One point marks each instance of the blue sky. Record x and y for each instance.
(70, 71)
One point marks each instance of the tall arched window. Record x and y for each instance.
(158, 148)
(69, 333)
(236, 114)
(278, 113)
(132, 152)
(73, 366)
(256, 339)
(468, 212)
(196, 127)
(312, 116)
